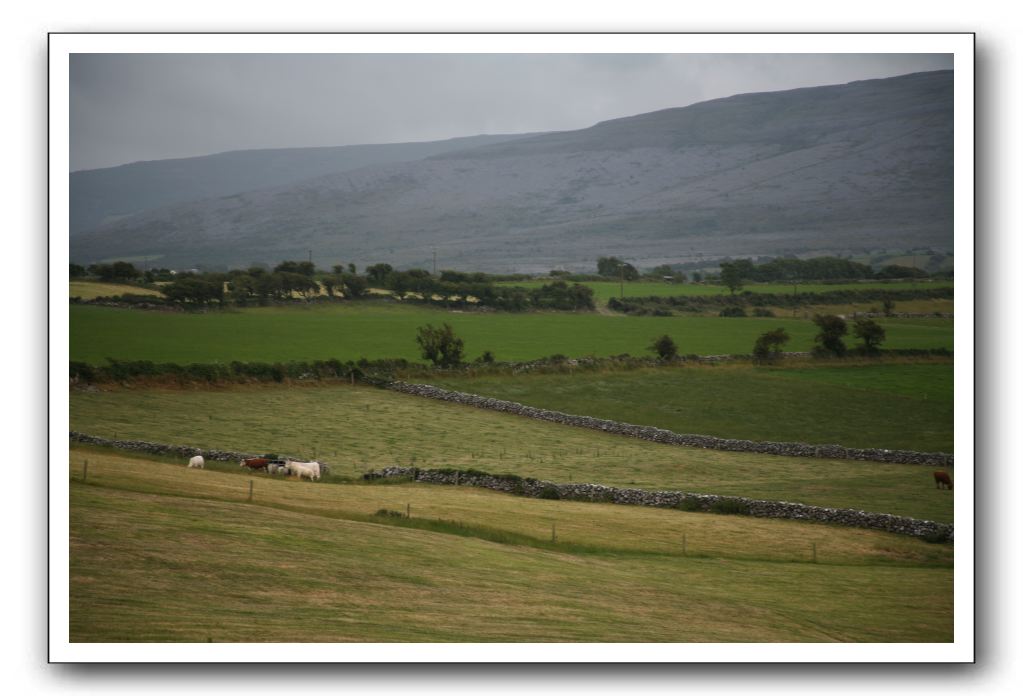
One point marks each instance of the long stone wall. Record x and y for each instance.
(645, 432)
(692, 502)
(592, 492)
(186, 452)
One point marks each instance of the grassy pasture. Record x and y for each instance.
(360, 428)
(162, 553)
(374, 329)
(89, 290)
(892, 405)
(605, 290)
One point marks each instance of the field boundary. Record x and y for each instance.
(183, 451)
(689, 502)
(653, 434)
(592, 492)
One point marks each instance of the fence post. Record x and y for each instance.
(408, 510)
(815, 552)
(554, 532)
(85, 471)
(250, 490)
(683, 544)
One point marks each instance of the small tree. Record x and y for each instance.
(768, 347)
(378, 272)
(665, 348)
(440, 345)
(889, 306)
(735, 273)
(305, 268)
(870, 333)
(330, 282)
(355, 286)
(829, 339)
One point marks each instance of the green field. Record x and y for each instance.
(894, 406)
(163, 553)
(605, 290)
(375, 329)
(355, 429)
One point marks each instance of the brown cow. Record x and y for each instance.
(255, 463)
(942, 479)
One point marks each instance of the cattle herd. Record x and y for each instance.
(283, 467)
(286, 467)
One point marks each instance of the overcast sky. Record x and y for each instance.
(132, 107)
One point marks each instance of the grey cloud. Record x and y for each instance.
(130, 107)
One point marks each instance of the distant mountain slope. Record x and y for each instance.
(849, 167)
(103, 195)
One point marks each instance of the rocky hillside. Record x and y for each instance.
(837, 169)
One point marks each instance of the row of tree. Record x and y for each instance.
(262, 286)
(443, 348)
(829, 341)
(734, 274)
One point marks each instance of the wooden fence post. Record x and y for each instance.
(683, 544)
(554, 532)
(814, 552)
(85, 471)
(250, 490)
(408, 510)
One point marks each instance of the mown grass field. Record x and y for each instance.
(891, 405)
(89, 290)
(605, 290)
(163, 553)
(356, 429)
(382, 329)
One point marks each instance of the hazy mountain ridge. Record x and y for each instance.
(858, 166)
(103, 195)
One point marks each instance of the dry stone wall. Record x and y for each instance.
(692, 502)
(183, 451)
(645, 432)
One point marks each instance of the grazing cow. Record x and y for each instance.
(303, 470)
(273, 467)
(255, 463)
(197, 462)
(942, 480)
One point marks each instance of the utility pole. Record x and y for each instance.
(435, 261)
(621, 280)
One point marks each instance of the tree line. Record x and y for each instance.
(664, 305)
(735, 274)
(262, 286)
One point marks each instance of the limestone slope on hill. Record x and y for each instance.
(838, 169)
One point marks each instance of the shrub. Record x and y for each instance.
(762, 312)
(768, 346)
(690, 505)
(550, 493)
(382, 512)
(871, 334)
(729, 506)
(440, 345)
(665, 348)
(829, 339)
(732, 311)
(82, 371)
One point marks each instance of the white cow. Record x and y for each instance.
(304, 469)
(197, 462)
